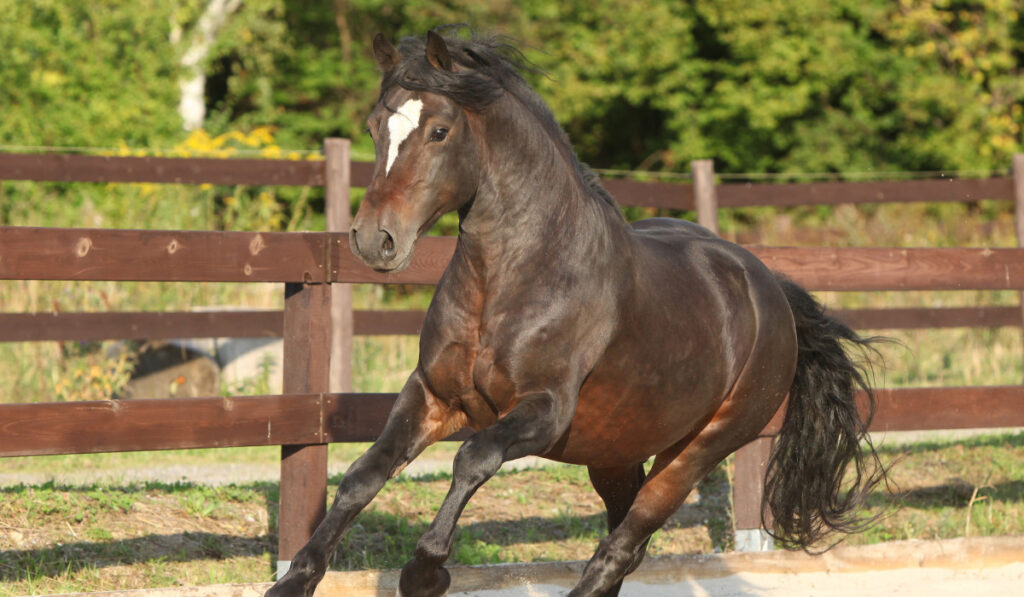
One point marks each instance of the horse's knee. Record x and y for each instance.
(477, 460)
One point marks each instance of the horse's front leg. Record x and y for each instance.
(416, 421)
(531, 427)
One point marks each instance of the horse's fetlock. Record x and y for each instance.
(431, 551)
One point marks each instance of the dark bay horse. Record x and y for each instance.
(560, 330)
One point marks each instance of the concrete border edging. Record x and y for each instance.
(961, 553)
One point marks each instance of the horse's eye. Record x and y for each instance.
(439, 134)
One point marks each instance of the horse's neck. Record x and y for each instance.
(532, 213)
(536, 223)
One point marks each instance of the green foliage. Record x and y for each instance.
(759, 85)
(82, 73)
(817, 86)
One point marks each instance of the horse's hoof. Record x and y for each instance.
(417, 582)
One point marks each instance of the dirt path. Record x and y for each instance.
(216, 474)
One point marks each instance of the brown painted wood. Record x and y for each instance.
(356, 417)
(918, 409)
(306, 369)
(384, 323)
(1017, 170)
(926, 318)
(836, 192)
(303, 496)
(705, 197)
(663, 195)
(339, 219)
(362, 173)
(91, 168)
(138, 325)
(823, 268)
(749, 467)
(155, 255)
(59, 326)
(134, 425)
(913, 409)
(188, 256)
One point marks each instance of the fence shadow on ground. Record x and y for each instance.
(70, 558)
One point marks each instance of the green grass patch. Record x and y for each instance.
(58, 537)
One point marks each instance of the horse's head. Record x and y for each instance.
(427, 160)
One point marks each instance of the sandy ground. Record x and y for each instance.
(947, 568)
(923, 582)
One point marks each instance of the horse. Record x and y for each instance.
(558, 329)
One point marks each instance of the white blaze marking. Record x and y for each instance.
(400, 125)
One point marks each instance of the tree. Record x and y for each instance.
(201, 38)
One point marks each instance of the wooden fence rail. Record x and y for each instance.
(323, 257)
(177, 423)
(316, 269)
(268, 323)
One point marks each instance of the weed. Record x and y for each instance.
(477, 551)
(198, 504)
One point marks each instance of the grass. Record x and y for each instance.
(59, 537)
(971, 487)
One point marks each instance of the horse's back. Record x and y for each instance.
(668, 227)
(665, 246)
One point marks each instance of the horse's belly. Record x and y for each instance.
(627, 419)
(657, 384)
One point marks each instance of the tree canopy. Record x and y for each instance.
(758, 85)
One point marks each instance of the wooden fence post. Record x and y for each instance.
(750, 461)
(750, 464)
(307, 342)
(339, 219)
(704, 197)
(1018, 211)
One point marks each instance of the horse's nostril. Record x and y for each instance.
(387, 248)
(353, 237)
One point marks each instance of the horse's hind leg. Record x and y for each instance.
(529, 428)
(416, 421)
(618, 488)
(675, 473)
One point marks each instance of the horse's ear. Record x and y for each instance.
(437, 52)
(385, 53)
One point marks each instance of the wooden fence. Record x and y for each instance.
(316, 270)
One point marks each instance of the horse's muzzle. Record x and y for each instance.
(376, 248)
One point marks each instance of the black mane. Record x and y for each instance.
(486, 68)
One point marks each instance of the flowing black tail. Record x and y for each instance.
(811, 488)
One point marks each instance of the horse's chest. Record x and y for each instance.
(472, 377)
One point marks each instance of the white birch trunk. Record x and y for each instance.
(192, 106)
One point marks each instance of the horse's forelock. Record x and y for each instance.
(485, 68)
